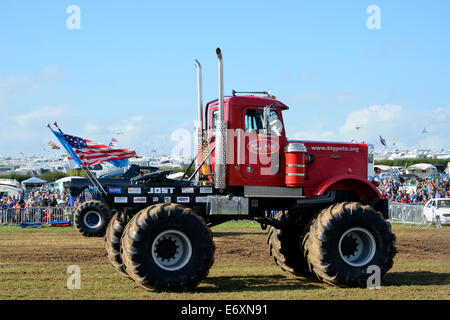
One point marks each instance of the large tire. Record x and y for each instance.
(114, 233)
(285, 245)
(92, 218)
(344, 240)
(167, 247)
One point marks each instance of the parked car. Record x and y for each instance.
(437, 210)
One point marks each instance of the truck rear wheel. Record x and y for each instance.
(344, 240)
(114, 233)
(167, 247)
(285, 245)
(92, 218)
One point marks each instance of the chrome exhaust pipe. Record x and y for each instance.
(221, 133)
(221, 108)
(199, 124)
(199, 92)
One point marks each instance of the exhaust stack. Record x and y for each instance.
(199, 124)
(221, 132)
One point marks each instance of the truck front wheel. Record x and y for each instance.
(167, 247)
(92, 218)
(344, 240)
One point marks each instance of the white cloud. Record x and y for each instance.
(385, 117)
(389, 121)
(401, 124)
(41, 115)
(15, 87)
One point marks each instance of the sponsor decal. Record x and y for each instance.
(201, 199)
(155, 199)
(335, 148)
(264, 146)
(187, 190)
(167, 190)
(167, 199)
(183, 199)
(114, 190)
(120, 199)
(205, 190)
(140, 200)
(160, 190)
(134, 190)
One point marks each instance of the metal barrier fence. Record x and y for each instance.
(406, 213)
(398, 212)
(44, 216)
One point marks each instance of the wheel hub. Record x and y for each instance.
(349, 245)
(92, 219)
(171, 250)
(166, 248)
(357, 247)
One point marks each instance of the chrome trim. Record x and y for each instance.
(273, 192)
(225, 205)
(295, 147)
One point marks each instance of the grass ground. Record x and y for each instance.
(34, 262)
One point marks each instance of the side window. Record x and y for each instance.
(215, 116)
(430, 204)
(254, 120)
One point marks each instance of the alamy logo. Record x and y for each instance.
(73, 22)
(74, 280)
(374, 280)
(374, 20)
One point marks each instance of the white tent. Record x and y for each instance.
(382, 167)
(9, 187)
(422, 169)
(423, 166)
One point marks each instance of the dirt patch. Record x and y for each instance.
(249, 246)
(422, 242)
(413, 243)
(33, 264)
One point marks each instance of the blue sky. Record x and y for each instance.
(130, 69)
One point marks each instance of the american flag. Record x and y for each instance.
(91, 152)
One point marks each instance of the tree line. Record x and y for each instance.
(50, 176)
(409, 162)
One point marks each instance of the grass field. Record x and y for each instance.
(33, 265)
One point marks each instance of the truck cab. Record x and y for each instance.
(254, 152)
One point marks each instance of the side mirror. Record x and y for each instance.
(276, 126)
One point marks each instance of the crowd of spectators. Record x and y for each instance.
(414, 192)
(40, 198)
(41, 205)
